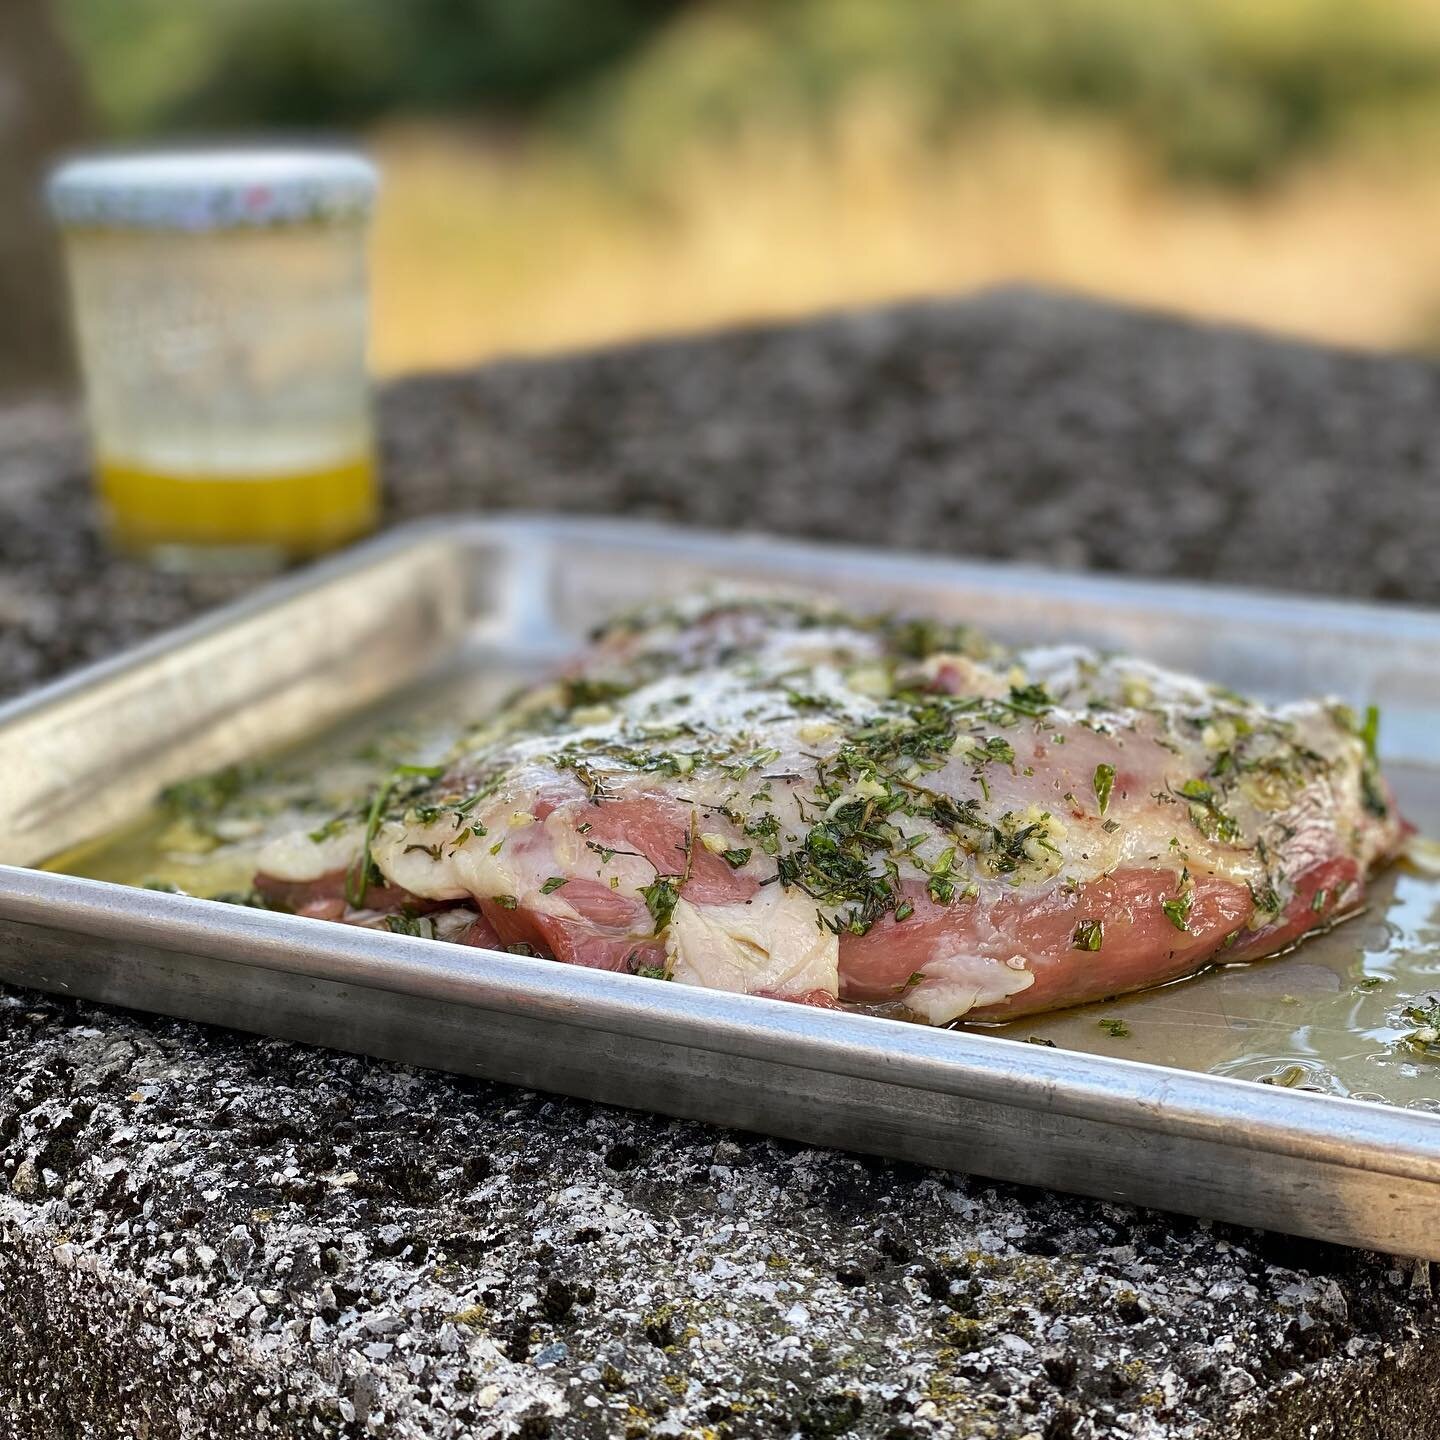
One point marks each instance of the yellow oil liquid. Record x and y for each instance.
(294, 512)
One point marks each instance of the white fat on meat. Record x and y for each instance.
(953, 985)
(406, 854)
(295, 856)
(770, 943)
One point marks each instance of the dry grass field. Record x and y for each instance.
(484, 245)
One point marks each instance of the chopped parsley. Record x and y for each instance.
(997, 747)
(1089, 935)
(1177, 909)
(1206, 814)
(419, 925)
(1031, 700)
(660, 899)
(329, 829)
(1104, 783)
(206, 795)
(363, 874)
(1370, 732)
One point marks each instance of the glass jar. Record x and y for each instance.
(220, 303)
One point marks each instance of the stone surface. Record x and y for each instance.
(203, 1233)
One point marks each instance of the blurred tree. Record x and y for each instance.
(1226, 91)
(44, 109)
(227, 64)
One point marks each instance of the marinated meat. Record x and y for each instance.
(765, 795)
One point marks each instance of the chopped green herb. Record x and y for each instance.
(997, 747)
(1206, 814)
(765, 832)
(250, 899)
(1370, 732)
(660, 899)
(1029, 699)
(206, 795)
(1177, 909)
(1265, 898)
(553, 884)
(580, 692)
(941, 889)
(1104, 783)
(362, 874)
(505, 902)
(1089, 935)
(1117, 1028)
(735, 858)
(1372, 790)
(410, 925)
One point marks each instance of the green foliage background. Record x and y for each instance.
(1219, 91)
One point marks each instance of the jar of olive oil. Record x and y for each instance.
(220, 304)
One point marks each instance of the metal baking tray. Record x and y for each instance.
(503, 598)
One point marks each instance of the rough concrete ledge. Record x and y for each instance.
(207, 1234)
(1019, 425)
(204, 1234)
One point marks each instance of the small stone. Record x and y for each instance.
(25, 1182)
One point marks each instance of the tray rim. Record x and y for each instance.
(1336, 1130)
(1175, 595)
(1379, 1138)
